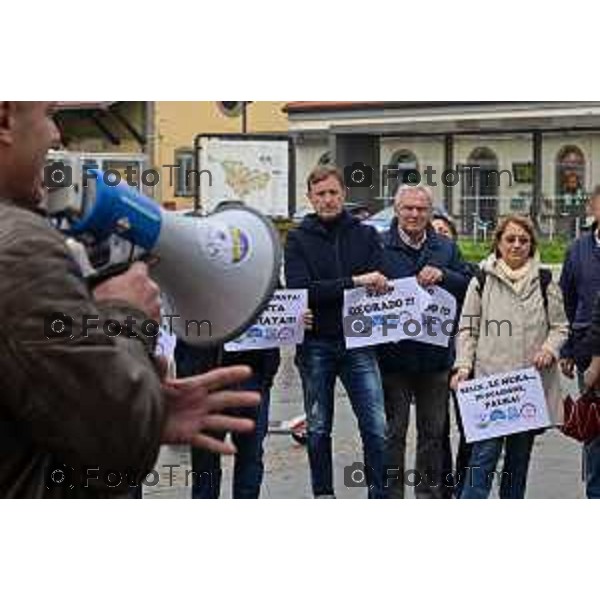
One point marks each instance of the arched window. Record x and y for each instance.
(480, 181)
(484, 157)
(403, 168)
(231, 108)
(570, 178)
(325, 160)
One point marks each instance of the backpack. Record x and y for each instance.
(545, 281)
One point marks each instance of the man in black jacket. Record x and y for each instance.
(331, 252)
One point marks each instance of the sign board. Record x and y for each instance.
(254, 170)
(280, 324)
(371, 319)
(503, 405)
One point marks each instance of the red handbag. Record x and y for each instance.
(582, 417)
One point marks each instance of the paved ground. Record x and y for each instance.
(555, 472)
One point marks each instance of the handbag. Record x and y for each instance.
(582, 417)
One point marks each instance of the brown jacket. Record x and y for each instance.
(88, 409)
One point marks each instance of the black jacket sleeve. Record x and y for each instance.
(568, 286)
(457, 275)
(593, 338)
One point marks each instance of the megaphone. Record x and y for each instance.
(219, 271)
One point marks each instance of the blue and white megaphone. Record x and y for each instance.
(219, 271)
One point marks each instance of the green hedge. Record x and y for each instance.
(551, 252)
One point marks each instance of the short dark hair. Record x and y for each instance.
(321, 173)
(438, 216)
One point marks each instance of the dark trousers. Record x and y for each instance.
(248, 467)
(429, 392)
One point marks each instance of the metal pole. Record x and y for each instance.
(244, 116)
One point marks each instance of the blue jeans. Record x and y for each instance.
(592, 469)
(484, 460)
(320, 362)
(248, 467)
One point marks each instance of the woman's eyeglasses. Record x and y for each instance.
(513, 239)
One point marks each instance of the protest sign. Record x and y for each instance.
(438, 318)
(280, 324)
(372, 319)
(502, 405)
(165, 344)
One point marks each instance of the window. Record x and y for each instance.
(325, 160)
(231, 108)
(480, 181)
(183, 177)
(403, 169)
(570, 178)
(129, 171)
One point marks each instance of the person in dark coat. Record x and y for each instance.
(331, 252)
(580, 284)
(414, 371)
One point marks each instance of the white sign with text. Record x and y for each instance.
(280, 324)
(503, 405)
(373, 319)
(437, 327)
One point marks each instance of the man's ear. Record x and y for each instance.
(7, 121)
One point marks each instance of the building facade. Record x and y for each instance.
(159, 137)
(176, 124)
(482, 159)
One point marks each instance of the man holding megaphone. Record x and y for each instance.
(82, 415)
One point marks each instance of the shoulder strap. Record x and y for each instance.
(481, 277)
(545, 281)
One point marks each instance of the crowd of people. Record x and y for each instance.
(94, 404)
(331, 252)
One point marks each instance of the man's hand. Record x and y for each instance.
(567, 366)
(199, 404)
(308, 318)
(430, 276)
(374, 282)
(543, 360)
(134, 287)
(591, 378)
(459, 377)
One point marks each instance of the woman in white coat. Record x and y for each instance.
(513, 293)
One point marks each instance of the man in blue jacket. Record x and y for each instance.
(580, 284)
(328, 253)
(413, 371)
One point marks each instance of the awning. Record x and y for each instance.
(84, 105)
(443, 118)
(104, 115)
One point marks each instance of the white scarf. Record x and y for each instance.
(517, 278)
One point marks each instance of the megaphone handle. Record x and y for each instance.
(116, 270)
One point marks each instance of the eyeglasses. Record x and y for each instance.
(513, 239)
(419, 209)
